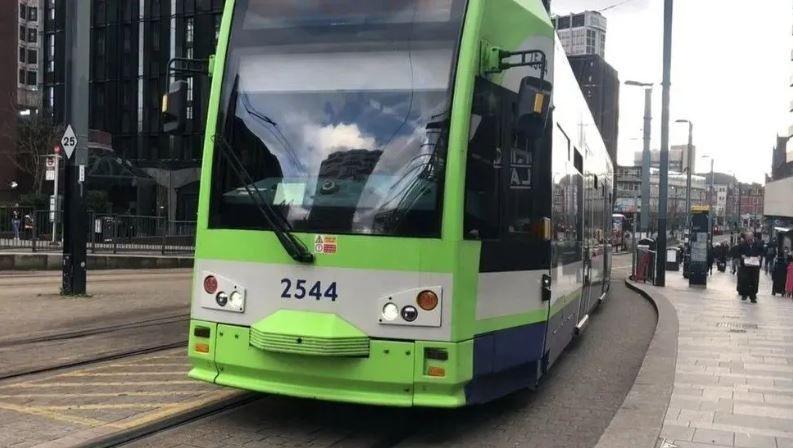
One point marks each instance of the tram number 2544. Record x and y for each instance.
(299, 289)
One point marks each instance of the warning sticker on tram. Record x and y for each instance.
(324, 244)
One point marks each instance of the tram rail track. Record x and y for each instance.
(93, 330)
(48, 353)
(142, 433)
(95, 360)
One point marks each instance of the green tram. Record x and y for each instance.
(403, 202)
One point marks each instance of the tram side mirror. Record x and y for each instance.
(534, 105)
(174, 108)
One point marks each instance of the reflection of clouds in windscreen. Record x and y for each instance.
(325, 140)
(398, 168)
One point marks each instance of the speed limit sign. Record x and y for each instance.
(69, 141)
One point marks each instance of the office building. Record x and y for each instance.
(20, 37)
(582, 33)
(583, 37)
(28, 73)
(142, 170)
(678, 158)
(600, 85)
(628, 190)
(725, 197)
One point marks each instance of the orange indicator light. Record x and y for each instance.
(436, 371)
(427, 300)
(202, 348)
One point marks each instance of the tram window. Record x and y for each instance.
(578, 161)
(519, 201)
(499, 200)
(483, 173)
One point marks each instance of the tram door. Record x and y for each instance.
(607, 248)
(588, 219)
(598, 240)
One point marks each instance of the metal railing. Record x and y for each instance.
(107, 233)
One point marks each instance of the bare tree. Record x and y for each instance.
(34, 135)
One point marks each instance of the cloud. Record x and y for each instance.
(330, 138)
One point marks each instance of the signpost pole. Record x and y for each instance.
(55, 194)
(75, 146)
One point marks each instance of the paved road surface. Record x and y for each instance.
(34, 310)
(571, 409)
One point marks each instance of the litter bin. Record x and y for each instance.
(645, 259)
(673, 259)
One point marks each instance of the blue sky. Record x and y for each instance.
(730, 75)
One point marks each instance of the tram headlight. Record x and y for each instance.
(390, 311)
(236, 300)
(222, 298)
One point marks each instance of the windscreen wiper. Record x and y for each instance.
(281, 227)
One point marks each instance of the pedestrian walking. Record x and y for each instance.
(789, 281)
(711, 255)
(770, 255)
(735, 256)
(751, 252)
(16, 223)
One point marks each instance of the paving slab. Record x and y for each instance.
(733, 381)
(85, 406)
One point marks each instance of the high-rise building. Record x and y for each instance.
(583, 37)
(20, 29)
(582, 33)
(28, 73)
(132, 43)
(600, 85)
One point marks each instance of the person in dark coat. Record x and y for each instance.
(770, 255)
(751, 253)
(735, 256)
(711, 256)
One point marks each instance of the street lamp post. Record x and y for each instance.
(689, 169)
(663, 180)
(648, 118)
(711, 193)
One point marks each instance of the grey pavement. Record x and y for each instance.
(571, 408)
(127, 311)
(734, 374)
(77, 407)
(32, 305)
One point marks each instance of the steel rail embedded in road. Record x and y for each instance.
(110, 357)
(141, 433)
(170, 332)
(185, 317)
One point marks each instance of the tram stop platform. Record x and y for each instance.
(732, 380)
